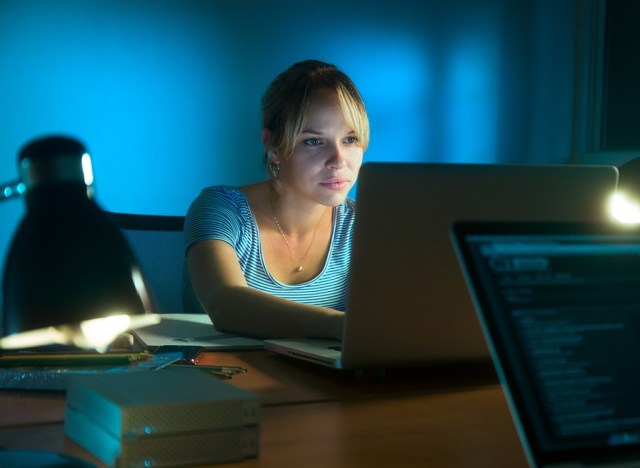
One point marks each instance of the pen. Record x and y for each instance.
(225, 372)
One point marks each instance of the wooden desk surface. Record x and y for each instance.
(446, 416)
(281, 380)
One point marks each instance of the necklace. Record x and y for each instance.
(297, 265)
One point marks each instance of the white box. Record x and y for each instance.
(166, 417)
(179, 449)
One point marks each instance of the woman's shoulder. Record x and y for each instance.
(221, 195)
(219, 212)
(221, 191)
(218, 200)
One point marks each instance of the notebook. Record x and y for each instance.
(407, 302)
(560, 309)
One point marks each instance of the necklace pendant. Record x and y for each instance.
(299, 268)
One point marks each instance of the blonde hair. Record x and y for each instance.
(288, 98)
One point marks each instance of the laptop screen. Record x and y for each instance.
(560, 308)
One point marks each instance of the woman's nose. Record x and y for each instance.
(337, 157)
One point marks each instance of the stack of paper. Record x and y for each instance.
(191, 330)
(165, 418)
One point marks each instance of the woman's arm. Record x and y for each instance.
(233, 306)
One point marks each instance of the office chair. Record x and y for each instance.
(157, 242)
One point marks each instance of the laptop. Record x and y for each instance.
(559, 304)
(407, 303)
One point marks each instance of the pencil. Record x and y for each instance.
(60, 359)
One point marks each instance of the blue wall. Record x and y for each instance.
(166, 93)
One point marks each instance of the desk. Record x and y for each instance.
(445, 416)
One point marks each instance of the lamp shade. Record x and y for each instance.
(67, 262)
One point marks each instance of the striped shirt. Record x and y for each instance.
(223, 213)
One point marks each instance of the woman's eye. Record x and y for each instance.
(312, 141)
(351, 140)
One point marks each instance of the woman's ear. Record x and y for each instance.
(267, 139)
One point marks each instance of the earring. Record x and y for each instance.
(274, 168)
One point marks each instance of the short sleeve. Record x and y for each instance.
(217, 213)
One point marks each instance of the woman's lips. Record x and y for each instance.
(335, 184)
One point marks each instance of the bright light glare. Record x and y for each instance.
(33, 338)
(87, 169)
(624, 209)
(95, 334)
(100, 333)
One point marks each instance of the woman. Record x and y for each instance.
(271, 259)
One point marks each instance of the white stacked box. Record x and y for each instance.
(167, 417)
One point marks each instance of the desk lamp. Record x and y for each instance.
(70, 278)
(625, 205)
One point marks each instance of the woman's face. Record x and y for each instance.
(326, 158)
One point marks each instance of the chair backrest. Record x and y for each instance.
(157, 242)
